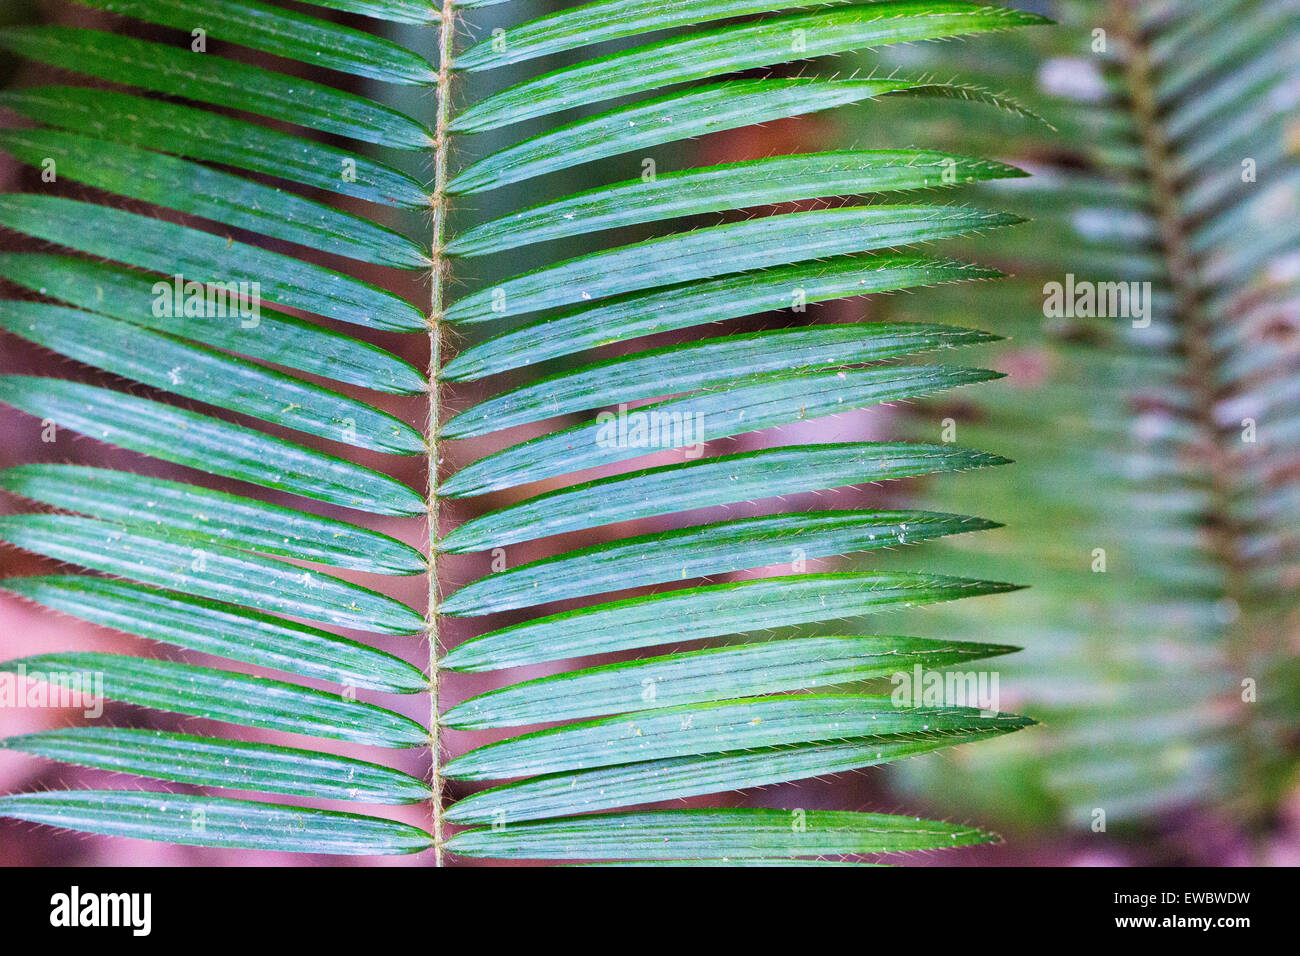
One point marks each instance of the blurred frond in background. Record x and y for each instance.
(1156, 508)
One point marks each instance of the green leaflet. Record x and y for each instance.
(760, 182)
(207, 258)
(736, 247)
(175, 818)
(732, 863)
(712, 727)
(275, 337)
(734, 49)
(193, 565)
(700, 552)
(649, 781)
(713, 481)
(218, 695)
(221, 629)
(698, 303)
(751, 405)
(208, 376)
(716, 673)
(399, 11)
(211, 79)
(209, 761)
(704, 364)
(213, 516)
(223, 198)
(199, 134)
(710, 611)
(283, 32)
(664, 120)
(670, 834)
(605, 20)
(210, 445)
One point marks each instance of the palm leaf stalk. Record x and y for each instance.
(262, 583)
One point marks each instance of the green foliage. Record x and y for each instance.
(1160, 530)
(221, 572)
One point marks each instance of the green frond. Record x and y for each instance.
(221, 281)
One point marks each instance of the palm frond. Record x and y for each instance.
(237, 204)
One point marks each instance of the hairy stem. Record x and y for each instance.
(1202, 369)
(438, 282)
